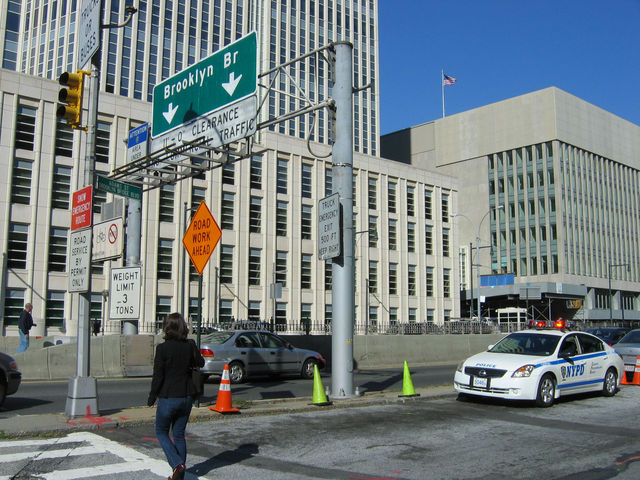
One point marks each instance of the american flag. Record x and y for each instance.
(447, 80)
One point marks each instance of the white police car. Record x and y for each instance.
(541, 365)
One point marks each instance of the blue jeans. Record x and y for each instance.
(173, 413)
(24, 341)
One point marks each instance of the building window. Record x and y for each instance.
(306, 220)
(61, 188)
(58, 249)
(411, 237)
(328, 182)
(254, 266)
(13, 305)
(393, 234)
(411, 201)
(17, 247)
(428, 240)
(431, 314)
(429, 281)
(255, 215)
(281, 218)
(165, 256)
(281, 176)
(373, 193)
(393, 318)
(254, 311)
(226, 264)
(64, 140)
(328, 277)
(411, 280)
(281, 313)
(256, 172)
(413, 317)
(163, 308)
(10, 57)
(226, 311)
(54, 312)
(392, 196)
(228, 174)
(99, 199)
(21, 182)
(305, 271)
(306, 180)
(427, 205)
(228, 202)
(166, 200)
(103, 132)
(445, 207)
(446, 282)
(328, 316)
(393, 278)
(373, 318)
(373, 277)
(373, 231)
(281, 268)
(198, 195)
(26, 127)
(445, 242)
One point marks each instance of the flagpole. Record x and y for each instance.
(442, 84)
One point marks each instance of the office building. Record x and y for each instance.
(558, 180)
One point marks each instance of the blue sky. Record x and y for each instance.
(498, 49)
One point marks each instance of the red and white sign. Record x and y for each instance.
(81, 208)
(108, 240)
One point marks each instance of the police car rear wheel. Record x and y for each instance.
(610, 386)
(546, 391)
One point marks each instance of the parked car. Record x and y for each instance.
(629, 348)
(10, 376)
(253, 352)
(610, 335)
(541, 365)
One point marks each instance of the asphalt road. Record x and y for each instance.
(587, 437)
(34, 397)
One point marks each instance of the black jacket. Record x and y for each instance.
(172, 368)
(26, 322)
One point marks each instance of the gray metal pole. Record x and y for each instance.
(343, 283)
(471, 278)
(134, 238)
(82, 394)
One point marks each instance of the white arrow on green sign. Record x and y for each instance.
(222, 78)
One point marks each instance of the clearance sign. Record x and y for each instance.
(201, 237)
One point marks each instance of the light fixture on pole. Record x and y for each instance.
(614, 265)
(499, 207)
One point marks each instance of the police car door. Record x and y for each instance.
(594, 353)
(573, 371)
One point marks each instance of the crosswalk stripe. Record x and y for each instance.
(58, 453)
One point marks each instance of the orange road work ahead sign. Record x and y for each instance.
(201, 237)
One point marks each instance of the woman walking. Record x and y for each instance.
(174, 389)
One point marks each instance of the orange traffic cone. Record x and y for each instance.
(634, 373)
(223, 402)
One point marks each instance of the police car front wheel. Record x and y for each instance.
(610, 386)
(546, 391)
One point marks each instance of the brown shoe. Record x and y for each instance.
(178, 472)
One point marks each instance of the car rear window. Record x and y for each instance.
(527, 344)
(631, 337)
(216, 338)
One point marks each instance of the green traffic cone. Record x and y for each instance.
(407, 384)
(319, 397)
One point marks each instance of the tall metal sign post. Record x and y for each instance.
(82, 395)
(343, 283)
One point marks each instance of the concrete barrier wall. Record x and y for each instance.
(132, 355)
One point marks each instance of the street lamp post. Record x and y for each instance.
(614, 265)
(499, 207)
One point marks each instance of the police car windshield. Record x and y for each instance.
(527, 344)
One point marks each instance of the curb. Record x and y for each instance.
(58, 423)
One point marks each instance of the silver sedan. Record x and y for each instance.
(252, 352)
(629, 349)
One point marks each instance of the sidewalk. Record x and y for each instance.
(58, 423)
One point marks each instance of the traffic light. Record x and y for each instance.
(72, 96)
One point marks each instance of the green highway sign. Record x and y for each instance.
(118, 188)
(222, 78)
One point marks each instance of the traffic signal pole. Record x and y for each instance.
(82, 396)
